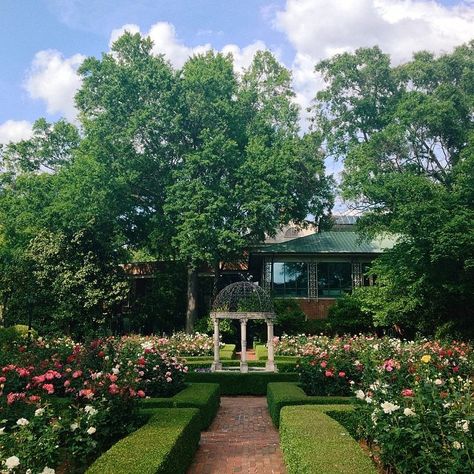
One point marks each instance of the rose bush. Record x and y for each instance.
(415, 405)
(61, 400)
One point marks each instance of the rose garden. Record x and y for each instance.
(186, 288)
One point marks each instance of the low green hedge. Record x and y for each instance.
(225, 353)
(164, 445)
(283, 394)
(203, 396)
(261, 352)
(235, 383)
(312, 441)
(283, 366)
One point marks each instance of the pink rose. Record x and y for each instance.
(328, 373)
(141, 394)
(324, 364)
(407, 392)
(76, 374)
(342, 374)
(67, 383)
(113, 389)
(49, 388)
(113, 378)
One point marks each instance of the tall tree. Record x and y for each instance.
(245, 171)
(212, 161)
(405, 134)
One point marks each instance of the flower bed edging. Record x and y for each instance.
(203, 396)
(281, 394)
(164, 445)
(312, 441)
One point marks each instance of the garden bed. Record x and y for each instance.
(203, 396)
(241, 384)
(225, 353)
(165, 444)
(312, 441)
(281, 394)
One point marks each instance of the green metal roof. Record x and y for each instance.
(329, 243)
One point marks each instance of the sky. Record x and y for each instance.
(43, 42)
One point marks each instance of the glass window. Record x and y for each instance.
(290, 279)
(334, 279)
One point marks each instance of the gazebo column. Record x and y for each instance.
(243, 343)
(216, 365)
(270, 365)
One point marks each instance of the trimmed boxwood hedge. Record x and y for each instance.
(164, 445)
(203, 396)
(312, 441)
(225, 353)
(235, 383)
(283, 365)
(282, 394)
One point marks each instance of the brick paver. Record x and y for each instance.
(241, 440)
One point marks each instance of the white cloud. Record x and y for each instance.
(166, 42)
(318, 29)
(15, 130)
(118, 32)
(54, 79)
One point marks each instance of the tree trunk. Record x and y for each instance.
(192, 299)
(217, 274)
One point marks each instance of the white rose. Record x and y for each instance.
(457, 445)
(2, 431)
(12, 462)
(22, 422)
(39, 412)
(438, 382)
(91, 430)
(389, 407)
(48, 470)
(360, 394)
(74, 426)
(409, 412)
(463, 425)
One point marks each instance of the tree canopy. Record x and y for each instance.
(405, 134)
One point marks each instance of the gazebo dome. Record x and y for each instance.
(243, 297)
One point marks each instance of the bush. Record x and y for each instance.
(16, 333)
(347, 317)
(311, 441)
(317, 326)
(235, 383)
(281, 394)
(165, 445)
(290, 318)
(203, 396)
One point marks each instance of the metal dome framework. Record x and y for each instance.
(243, 300)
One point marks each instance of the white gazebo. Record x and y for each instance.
(243, 301)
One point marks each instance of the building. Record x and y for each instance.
(316, 268)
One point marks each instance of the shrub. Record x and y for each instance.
(311, 441)
(346, 317)
(281, 394)
(290, 318)
(203, 396)
(165, 445)
(317, 326)
(235, 383)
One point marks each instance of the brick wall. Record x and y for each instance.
(315, 309)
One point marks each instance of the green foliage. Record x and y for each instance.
(235, 383)
(206, 326)
(290, 318)
(347, 317)
(288, 393)
(406, 136)
(317, 326)
(15, 334)
(165, 445)
(312, 441)
(203, 396)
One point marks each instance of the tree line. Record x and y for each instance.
(195, 165)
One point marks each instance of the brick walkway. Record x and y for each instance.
(241, 440)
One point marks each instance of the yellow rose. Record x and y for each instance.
(426, 358)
